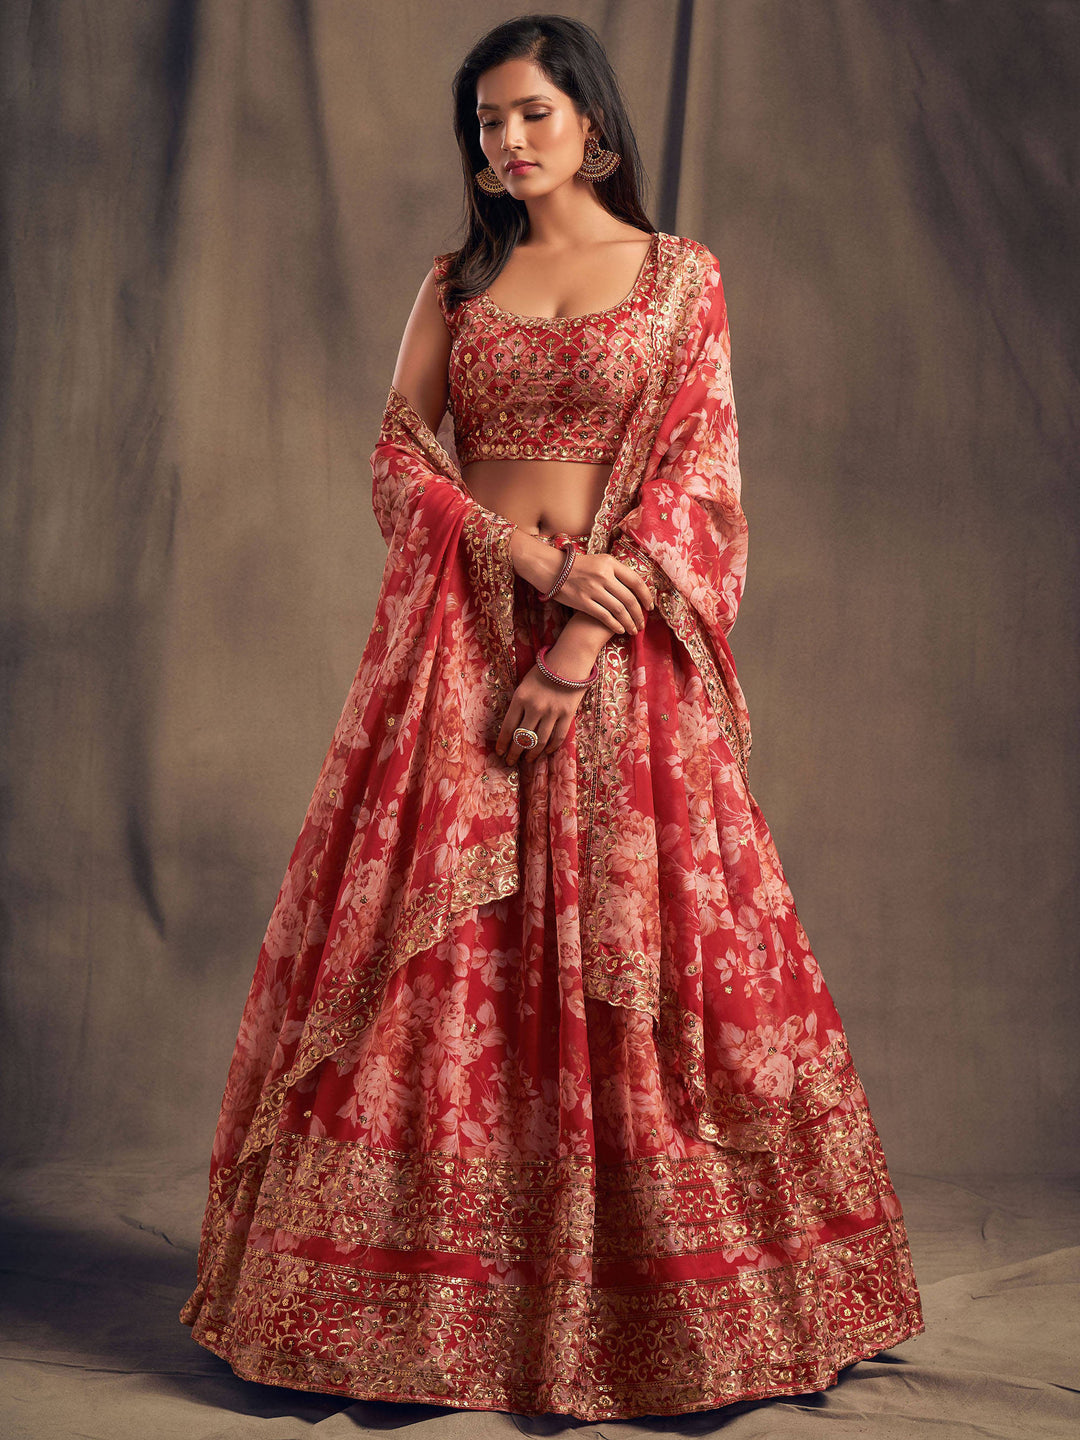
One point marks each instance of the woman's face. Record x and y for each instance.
(523, 116)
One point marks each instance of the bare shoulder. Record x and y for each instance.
(428, 310)
(428, 293)
(632, 233)
(420, 373)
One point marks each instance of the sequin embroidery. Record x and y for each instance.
(534, 387)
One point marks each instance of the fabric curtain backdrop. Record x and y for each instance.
(217, 217)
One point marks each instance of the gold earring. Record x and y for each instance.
(489, 182)
(598, 164)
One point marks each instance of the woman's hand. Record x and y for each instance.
(541, 705)
(598, 585)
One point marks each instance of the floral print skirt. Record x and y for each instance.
(540, 1184)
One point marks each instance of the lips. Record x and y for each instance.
(518, 167)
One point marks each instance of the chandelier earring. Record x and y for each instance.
(489, 182)
(598, 163)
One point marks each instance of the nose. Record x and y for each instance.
(512, 132)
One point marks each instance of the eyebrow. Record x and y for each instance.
(523, 101)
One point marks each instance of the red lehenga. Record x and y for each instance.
(540, 1102)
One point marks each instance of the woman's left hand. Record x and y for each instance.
(541, 705)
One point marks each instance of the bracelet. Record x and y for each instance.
(568, 560)
(562, 679)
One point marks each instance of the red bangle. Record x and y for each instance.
(568, 560)
(562, 679)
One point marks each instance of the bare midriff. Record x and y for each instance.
(544, 497)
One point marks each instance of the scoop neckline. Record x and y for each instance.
(654, 241)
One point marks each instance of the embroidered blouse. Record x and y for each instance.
(534, 387)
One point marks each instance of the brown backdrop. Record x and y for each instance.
(216, 217)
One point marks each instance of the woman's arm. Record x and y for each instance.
(414, 479)
(579, 644)
(535, 560)
(424, 356)
(599, 587)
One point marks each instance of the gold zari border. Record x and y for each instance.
(741, 1274)
(684, 622)
(570, 1349)
(656, 1207)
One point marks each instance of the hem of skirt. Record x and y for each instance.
(825, 1379)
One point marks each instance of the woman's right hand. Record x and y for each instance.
(605, 588)
(597, 585)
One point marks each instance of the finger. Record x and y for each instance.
(516, 750)
(558, 734)
(540, 730)
(638, 599)
(511, 720)
(635, 615)
(627, 610)
(622, 606)
(513, 749)
(642, 590)
(543, 730)
(638, 584)
(601, 612)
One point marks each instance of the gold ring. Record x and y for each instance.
(526, 738)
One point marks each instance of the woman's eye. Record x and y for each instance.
(487, 124)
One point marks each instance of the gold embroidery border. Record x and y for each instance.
(778, 1328)
(603, 975)
(401, 1335)
(681, 271)
(653, 1207)
(491, 571)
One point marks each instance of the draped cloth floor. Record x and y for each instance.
(98, 1258)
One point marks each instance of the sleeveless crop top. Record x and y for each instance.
(529, 387)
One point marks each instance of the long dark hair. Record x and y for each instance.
(570, 54)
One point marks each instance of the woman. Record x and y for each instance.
(540, 1102)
